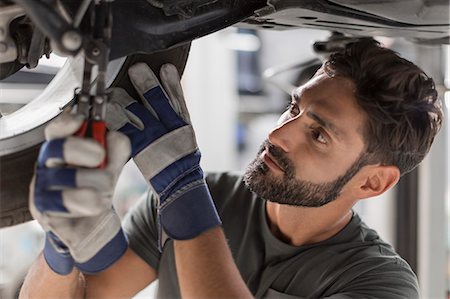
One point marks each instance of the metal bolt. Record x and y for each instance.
(96, 51)
(3, 47)
(71, 40)
(99, 100)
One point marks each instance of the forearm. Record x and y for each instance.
(42, 282)
(206, 269)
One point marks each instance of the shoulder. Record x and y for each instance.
(375, 268)
(383, 276)
(355, 263)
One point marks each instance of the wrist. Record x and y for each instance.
(189, 212)
(57, 255)
(107, 256)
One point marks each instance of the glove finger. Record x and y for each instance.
(49, 201)
(119, 151)
(123, 109)
(83, 202)
(55, 178)
(100, 180)
(64, 125)
(148, 86)
(71, 203)
(170, 78)
(73, 150)
(120, 96)
(143, 79)
(51, 153)
(117, 115)
(139, 111)
(62, 178)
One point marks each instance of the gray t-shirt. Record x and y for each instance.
(355, 263)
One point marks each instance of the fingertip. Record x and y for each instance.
(84, 152)
(64, 125)
(171, 81)
(168, 70)
(142, 77)
(119, 151)
(119, 142)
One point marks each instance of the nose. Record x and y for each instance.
(283, 135)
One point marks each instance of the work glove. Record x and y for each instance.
(71, 198)
(165, 150)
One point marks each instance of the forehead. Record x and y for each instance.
(333, 98)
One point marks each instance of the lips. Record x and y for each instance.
(270, 161)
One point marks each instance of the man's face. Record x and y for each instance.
(315, 149)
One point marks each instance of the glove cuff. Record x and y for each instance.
(192, 213)
(57, 255)
(107, 256)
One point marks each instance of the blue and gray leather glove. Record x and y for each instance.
(165, 150)
(71, 198)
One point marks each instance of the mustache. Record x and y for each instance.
(280, 158)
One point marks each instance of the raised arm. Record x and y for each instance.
(43, 282)
(206, 268)
(86, 251)
(124, 279)
(165, 150)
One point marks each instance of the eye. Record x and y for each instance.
(318, 136)
(293, 109)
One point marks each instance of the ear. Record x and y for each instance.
(378, 179)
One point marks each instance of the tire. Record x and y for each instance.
(16, 168)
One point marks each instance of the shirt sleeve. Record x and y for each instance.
(141, 229)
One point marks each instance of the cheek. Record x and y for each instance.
(321, 168)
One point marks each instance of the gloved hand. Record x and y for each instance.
(165, 150)
(71, 198)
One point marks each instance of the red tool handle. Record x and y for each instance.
(82, 131)
(97, 130)
(99, 134)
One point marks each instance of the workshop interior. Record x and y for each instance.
(240, 60)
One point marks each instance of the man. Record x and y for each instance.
(365, 118)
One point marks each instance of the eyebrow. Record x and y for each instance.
(324, 123)
(295, 96)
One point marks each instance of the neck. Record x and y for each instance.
(303, 225)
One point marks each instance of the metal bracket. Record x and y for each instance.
(66, 39)
(185, 8)
(8, 48)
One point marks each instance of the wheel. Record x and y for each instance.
(21, 133)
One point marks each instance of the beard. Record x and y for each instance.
(288, 189)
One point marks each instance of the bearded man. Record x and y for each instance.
(285, 229)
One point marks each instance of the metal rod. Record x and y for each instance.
(81, 12)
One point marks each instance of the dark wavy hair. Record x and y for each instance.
(403, 111)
